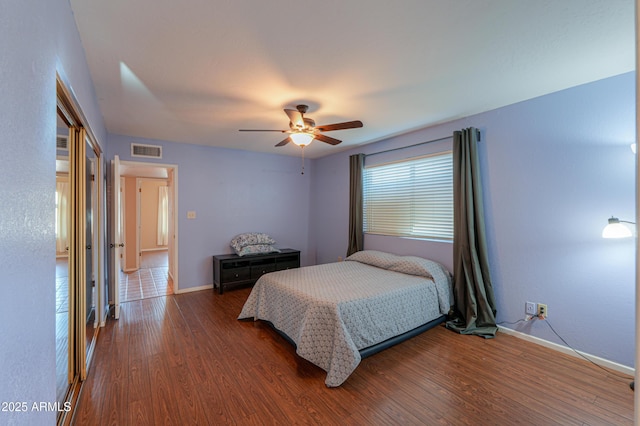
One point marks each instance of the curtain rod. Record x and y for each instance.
(409, 146)
(417, 144)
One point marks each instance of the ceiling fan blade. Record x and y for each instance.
(295, 117)
(327, 139)
(284, 142)
(340, 126)
(262, 130)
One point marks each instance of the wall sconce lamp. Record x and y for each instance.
(616, 229)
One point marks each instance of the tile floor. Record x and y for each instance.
(62, 328)
(151, 280)
(62, 285)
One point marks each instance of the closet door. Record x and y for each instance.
(84, 180)
(92, 248)
(78, 257)
(85, 278)
(64, 363)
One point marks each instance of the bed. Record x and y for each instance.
(337, 313)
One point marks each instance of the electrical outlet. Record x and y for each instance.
(542, 310)
(530, 308)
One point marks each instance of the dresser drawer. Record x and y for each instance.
(287, 265)
(259, 270)
(236, 271)
(288, 261)
(235, 274)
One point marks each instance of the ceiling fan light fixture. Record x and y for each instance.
(301, 138)
(302, 130)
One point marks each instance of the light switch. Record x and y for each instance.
(191, 215)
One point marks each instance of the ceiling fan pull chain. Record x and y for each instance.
(302, 160)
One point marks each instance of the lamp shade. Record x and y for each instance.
(301, 139)
(615, 229)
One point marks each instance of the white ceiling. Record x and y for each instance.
(196, 71)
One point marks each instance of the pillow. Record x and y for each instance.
(414, 265)
(257, 249)
(410, 265)
(250, 239)
(375, 258)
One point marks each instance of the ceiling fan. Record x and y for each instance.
(303, 130)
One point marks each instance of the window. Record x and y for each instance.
(410, 198)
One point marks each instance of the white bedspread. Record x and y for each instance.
(331, 311)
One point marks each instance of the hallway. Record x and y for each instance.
(151, 280)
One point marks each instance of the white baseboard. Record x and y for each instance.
(565, 350)
(191, 289)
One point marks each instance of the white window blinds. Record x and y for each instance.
(412, 198)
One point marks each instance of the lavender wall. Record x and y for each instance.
(37, 38)
(554, 169)
(232, 192)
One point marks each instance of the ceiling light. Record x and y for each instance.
(301, 139)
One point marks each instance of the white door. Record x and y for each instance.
(172, 232)
(116, 234)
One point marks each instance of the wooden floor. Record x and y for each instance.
(186, 360)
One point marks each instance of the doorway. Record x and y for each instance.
(148, 258)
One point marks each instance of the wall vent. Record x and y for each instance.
(146, 151)
(62, 142)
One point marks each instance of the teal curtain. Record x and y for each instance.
(356, 222)
(475, 311)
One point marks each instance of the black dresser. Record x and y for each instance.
(234, 270)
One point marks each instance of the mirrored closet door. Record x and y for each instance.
(91, 210)
(82, 209)
(63, 222)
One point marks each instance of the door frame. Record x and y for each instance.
(172, 180)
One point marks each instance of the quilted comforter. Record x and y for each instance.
(332, 311)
